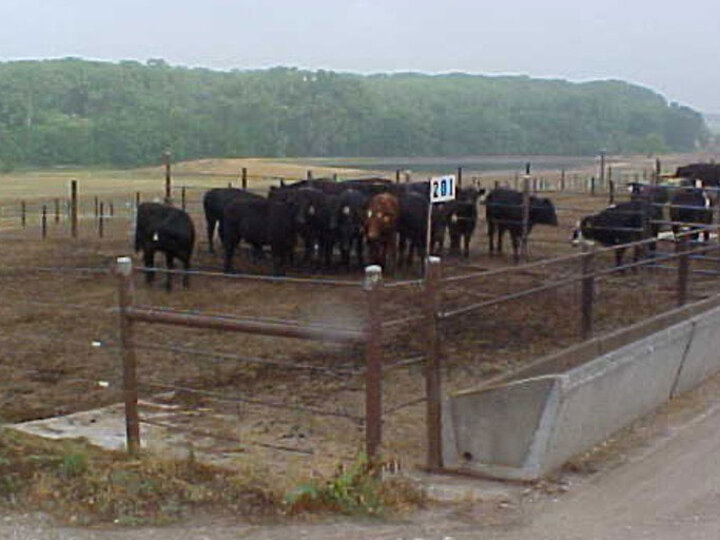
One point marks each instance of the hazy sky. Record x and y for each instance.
(671, 47)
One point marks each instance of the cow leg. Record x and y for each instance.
(515, 240)
(636, 257)
(501, 232)
(229, 252)
(466, 251)
(491, 234)
(401, 251)
(328, 250)
(422, 255)
(412, 247)
(211, 232)
(186, 275)
(392, 254)
(455, 243)
(170, 265)
(359, 250)
(149, 262)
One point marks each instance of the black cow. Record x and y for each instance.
(504, 211)
(161, 227)
(654, 194)
(618, 224)
(260, 222)
(709, 173)
(347, 224)
(368, 186)
(312, 211)
(655, 197)
(214, 203)
(461, 218)
(412, 226)
(691, 205)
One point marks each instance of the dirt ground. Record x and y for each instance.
(655, 479)
(59, 344)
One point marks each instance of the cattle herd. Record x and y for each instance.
(690, 202)
(337, 220)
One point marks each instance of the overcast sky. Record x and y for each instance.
(671, 47)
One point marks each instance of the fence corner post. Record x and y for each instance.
(130, 392)
(433, 380)
(587, 291)
(373, 364)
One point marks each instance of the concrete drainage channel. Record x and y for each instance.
(529, 424)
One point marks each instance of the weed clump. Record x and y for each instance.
(355, 490)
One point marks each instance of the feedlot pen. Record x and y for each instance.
(289, 405)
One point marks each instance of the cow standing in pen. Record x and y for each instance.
(260, 222)
(461, 217)
(692, 207)
(504, 212)
(381, 229)
(164, 228)
(616, 225)
(346, 224)
(214, 203)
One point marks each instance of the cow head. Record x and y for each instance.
(542, 211)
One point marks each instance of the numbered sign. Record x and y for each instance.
(442, 188)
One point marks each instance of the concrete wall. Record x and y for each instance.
(526, 427)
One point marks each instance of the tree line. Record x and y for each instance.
(78, 112)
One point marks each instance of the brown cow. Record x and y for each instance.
(381, 219)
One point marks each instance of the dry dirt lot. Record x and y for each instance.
(58, 340)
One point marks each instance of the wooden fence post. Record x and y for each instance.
(433, 379)
(97, 207)
(397, 176)
(459, 177)
(373, 363)
(683, 270)
(611, 192)
(525, 217)
(562, 180)
(137, 199)
(100, 220)
(309, 174)
(183, 198)
(44, 222)
(244, 178)
(168, 178)
(592, 186)
(587, 290)
(57, 211)
(23, 210)
(125, 301)
(73, 209)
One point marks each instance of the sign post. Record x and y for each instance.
(442, 189)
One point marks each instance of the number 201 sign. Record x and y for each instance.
(442, 188)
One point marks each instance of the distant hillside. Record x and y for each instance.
(73, 111)
(713, 123)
